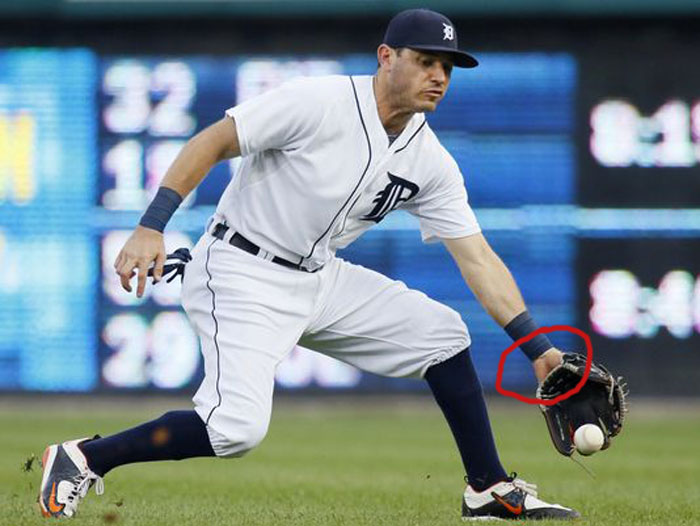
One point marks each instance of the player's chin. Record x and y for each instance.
(427, 105)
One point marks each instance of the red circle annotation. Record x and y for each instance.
(545, 330)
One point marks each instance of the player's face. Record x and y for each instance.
(419, 79)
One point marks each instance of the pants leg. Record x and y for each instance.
(379, 325)
(249, 313)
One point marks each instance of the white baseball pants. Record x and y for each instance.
(250, 313)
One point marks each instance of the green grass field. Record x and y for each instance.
(338, 462)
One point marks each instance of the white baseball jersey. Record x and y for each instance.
(318, 170)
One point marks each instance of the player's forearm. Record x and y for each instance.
(215, 143)
(193, 163)
(493, 285)
(189, 168)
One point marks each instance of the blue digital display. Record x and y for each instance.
(48, 262)
(104, 131)
(509, 124)
(510, 127)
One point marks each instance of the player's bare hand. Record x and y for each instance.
(546, 362)
(145, 246)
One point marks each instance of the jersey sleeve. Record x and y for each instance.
(443, 211)
(278, 119)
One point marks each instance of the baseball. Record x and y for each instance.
(588, 439)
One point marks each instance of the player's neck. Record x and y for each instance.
(394, 118)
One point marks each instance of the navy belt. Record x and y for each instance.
(237, 240)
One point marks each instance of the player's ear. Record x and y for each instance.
(385, 56)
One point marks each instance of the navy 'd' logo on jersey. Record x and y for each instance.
(397, 191)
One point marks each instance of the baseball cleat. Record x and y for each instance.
(66, 479)
(512, 499)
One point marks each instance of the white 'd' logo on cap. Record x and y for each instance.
(449, 32)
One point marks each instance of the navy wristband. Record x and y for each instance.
(523, 325)
(161, 209)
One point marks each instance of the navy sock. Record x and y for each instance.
(458, 392)
(174, 436)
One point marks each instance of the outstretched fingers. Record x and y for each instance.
(142, 266)
(126, 272)
(158, 267)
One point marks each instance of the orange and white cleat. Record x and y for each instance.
(66, 479)
(511, 499)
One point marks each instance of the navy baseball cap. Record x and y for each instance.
(427, 30)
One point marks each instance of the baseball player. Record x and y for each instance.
(323, 159)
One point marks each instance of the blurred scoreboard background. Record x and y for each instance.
(48, 262)
(587, 185)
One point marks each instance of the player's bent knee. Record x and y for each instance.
(253, 437)
(239, 440)
(448, 330)
(455, 322)
(445, 336)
